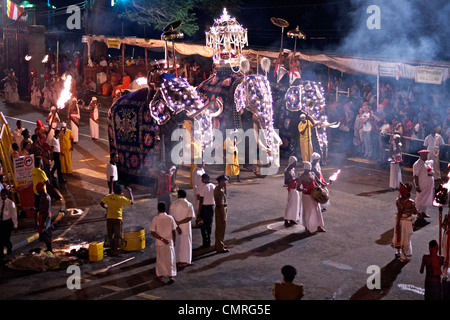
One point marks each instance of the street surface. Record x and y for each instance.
(331, 265)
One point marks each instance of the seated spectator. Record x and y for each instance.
(126, 80)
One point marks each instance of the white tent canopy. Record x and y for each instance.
(434, 73)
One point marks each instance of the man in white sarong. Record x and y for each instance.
(183, 212)
(424, 182)
(73, 117)
(163, 228)
(404, 219)
(197, 173)
(292, 211)
(310, 209)
(93, 120)
(434, 142)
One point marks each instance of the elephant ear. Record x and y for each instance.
(245, 65)
(265, 64)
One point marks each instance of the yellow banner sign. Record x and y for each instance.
(113, 43)
(429, 75)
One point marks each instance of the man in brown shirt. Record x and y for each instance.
(220, 198)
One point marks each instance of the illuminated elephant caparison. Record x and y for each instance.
(140, 124)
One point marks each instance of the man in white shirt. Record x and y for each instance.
(56, 155)
(112, 175)
(163, 228)
(17, 133)
(434, 142)
(197, 173)
(183, 212)
(8, 222)
(206, 209)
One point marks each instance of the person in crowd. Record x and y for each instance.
(220, 200)
(163, 228)
(26, 138)
(126, 80)
(292, 210)
(311, 212)
(404, 220)
(287, 290)
(94, 119)
(15, 153)
(164, 183)
(304, 128)
(26, 145)
(8, 222)
(183, 212)
(197, 174)
(112, 175)
(432, 265)
(38, 175)
(66, 141)
(44, 218)
(36, 148)
(366, 120)
(423, 176)
(73, 117)
(36, 95)
(52, 120)
(17, 133)
(434, 144)
(114, 203)
(232, 163)
(358, 139)
(206, 209)
(395, 159)
(56, 157)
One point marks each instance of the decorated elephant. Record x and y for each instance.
(304, 97)
(247, 104)
(141, 123)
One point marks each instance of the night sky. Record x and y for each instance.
(409, 29)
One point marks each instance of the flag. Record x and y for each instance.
(13, 11)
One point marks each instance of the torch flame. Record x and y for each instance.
(65, 94)
(334, 176)
(45, 59)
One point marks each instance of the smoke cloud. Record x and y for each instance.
(408, 29)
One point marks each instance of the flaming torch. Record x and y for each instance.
(334, 176)
(65, 94)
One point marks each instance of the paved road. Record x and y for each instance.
(331, 265)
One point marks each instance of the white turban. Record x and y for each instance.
(307, 165)
(292, 159)
(94, 99)
(315, 156)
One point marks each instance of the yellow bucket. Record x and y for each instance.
(95, 251)
(133, 239)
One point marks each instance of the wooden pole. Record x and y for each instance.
(123, 57)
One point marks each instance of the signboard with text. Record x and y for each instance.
(429, 75)
(23, 166)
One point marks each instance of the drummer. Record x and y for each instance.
(311, 213)
(316, 168)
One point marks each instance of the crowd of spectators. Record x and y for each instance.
(406, 108)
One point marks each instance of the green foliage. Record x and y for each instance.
(159, 13)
